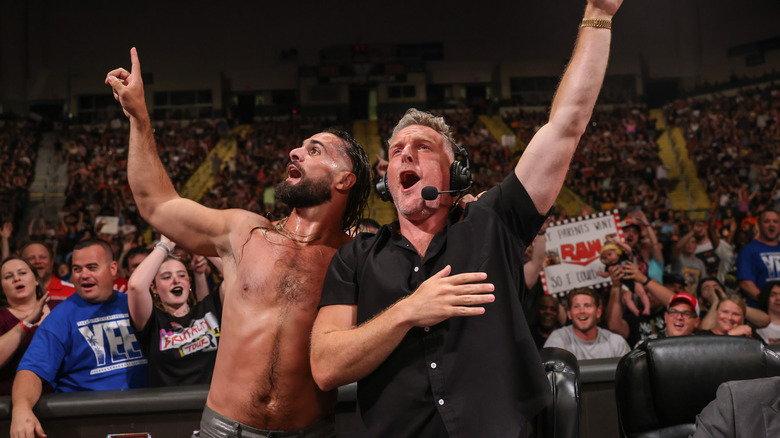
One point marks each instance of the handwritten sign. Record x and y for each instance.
(574, 250)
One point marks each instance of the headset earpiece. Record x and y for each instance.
(383, 190)
(460, 175)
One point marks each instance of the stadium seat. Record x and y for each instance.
(561, 419)
(663, 384)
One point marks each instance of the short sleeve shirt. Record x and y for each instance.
(87, 347)
(183, 350)
(466, 376)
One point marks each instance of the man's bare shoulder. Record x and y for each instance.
(240, 223)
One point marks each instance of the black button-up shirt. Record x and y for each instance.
(466, 376)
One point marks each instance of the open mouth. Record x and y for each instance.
(408, 179)
(88, 286)
(20, 287)
(293, 171)
(177, 291)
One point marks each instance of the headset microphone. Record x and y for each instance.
(429, 193)
(460, 179)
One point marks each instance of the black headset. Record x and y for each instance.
(460, 176)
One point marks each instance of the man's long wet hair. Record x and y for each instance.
(358, 194)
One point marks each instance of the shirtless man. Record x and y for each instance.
(273, 271)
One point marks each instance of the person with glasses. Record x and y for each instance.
(682, 315)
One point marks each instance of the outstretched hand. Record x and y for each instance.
(128, 88)
(168, 241)
(7, 230)
(198, 264)
(443, 296)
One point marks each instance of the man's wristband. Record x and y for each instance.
(26, 326)
(600, 23)
(164, 247)
(647, 281)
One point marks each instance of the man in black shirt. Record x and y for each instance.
(425, 314)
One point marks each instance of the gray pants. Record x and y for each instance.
(214, 425)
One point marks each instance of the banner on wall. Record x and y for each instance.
(573, 252)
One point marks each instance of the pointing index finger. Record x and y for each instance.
(134, 62)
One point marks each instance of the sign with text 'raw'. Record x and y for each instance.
(574, 250)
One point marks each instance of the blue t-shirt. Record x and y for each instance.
(87, 347)
(759, 263)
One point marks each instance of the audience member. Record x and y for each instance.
(770, 299)
(533, 263)
(613, 255)
(583, 337)
(178, 330)
(731, 318)
(682, 315)
(545, 319)
(132, 258)
(366, 225)
(632, 327)
(42, 258)
(22, 307)
(758, 261)
(685, 262)
(711, 292)
(85, 344)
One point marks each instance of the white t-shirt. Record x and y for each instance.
(606, 344)
(770, 334)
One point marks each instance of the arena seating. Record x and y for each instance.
(664, 383)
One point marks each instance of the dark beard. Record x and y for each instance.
(307, 193)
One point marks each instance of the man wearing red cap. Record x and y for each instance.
(682, 315)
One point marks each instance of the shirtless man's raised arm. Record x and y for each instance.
(273, 271)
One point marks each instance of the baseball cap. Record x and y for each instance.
(629, 222)
(684, 297)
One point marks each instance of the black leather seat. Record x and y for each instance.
(561, 419)
(663, 384)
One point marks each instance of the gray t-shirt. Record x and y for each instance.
(606, 344)
(692, 270)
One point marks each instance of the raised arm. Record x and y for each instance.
(661, 293)
(544, 164)
(5, 238)
(534, 266)
(614, 312)
(342, 352)
(138, 297)
(199, 273)
(712, 226)
(657, 252)
(678, 247)
(181, 219)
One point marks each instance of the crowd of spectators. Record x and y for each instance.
(19, 142)
(732, 140)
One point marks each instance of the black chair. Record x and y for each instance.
(561, 418)
(663, 384)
